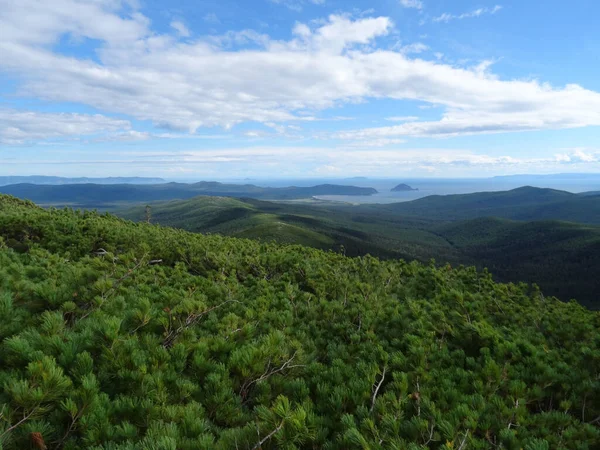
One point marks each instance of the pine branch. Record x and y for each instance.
(114, 287)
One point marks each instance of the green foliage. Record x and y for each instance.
(121, 335)
(562, 258)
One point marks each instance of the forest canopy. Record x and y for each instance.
(122, 335)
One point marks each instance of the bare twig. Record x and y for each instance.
(192, 319)
(431, 429)
(268, 436)
(464, 441)
(268, 373)
(70, 429)
(20, 422)
(374, 397)
(596, 420)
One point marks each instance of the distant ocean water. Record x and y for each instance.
(436, 186)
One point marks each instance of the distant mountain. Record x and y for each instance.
(403, 188)
(554, 176)
(551, 179)
(98, 195)
(589, 194)
(4, 181)
(526, 203)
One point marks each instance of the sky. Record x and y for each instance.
(298, 88)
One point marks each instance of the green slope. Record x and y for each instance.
(560, 257)
(233, 344)
(325, 227)
(526, 203)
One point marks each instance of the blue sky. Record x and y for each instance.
(298, 88)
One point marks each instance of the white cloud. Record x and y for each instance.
(447, 17)
(340, 33)
(181, 29)
(299, 160)
(579, 155)
(416, 4)
(249, 77)
(43, 22)
(22, 127)
(414, 48)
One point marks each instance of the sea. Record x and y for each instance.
(575, 183)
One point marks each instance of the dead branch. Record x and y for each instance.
(268, 436)
(374, 397)
(192, 319)
(464, 441)
(268, 373)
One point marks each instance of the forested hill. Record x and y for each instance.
(115, 335)
(99, 195)
(525, 203)
(562, 258)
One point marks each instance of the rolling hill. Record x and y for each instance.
(563, 258)
(526, 203)
(325, 226)
(106, 196)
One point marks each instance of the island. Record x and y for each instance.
(403, 188)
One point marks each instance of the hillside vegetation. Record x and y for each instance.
(562, 258)
(327, 226)
(526, 203)
(116, 335)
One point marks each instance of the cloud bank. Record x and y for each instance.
(182, 83)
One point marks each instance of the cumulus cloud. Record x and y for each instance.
(579, 155)
(43, 22)
(22, 127)
(245, 76)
